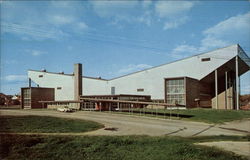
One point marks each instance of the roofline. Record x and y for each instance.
(115, 95)
(144, 69)
(67, 74)
(170, 62)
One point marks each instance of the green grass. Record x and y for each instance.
(45, 124)
(108, 148)
(201, 115)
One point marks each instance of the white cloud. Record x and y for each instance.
(82, 25)
(174, 13)
(224, 33)
(16, 78)
(182, 51)
(210, 42)
(133, 68)
(28, 22)
(37, 33)
(170, 8)
(10, 61)
(175, 23)
(35, 52)
(145, 18)
(230, 25)
(122, 11)
(146, 3)
(61, 19)
(112, 8)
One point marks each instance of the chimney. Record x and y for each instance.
(77, 81)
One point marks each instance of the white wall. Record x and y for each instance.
(66, 82)
(51, 80)
(151, 80)
(95, 86)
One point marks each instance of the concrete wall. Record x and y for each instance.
(151, 80)
(66, 82)
(223, 99)
(51, 80)
(95, 87)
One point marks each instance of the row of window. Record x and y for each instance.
(175, 91)
(179, 82)
(26, 93)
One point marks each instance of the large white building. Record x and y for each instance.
(207, 79)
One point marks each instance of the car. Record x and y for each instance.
(65, 109)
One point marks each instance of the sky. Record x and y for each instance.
(113, 38)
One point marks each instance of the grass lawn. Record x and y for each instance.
(202, 115)
(45, 124)
(108, 148)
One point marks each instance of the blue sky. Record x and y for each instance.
(113, 38)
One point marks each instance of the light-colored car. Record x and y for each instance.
(65, 109)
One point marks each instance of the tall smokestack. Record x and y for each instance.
(77, 81)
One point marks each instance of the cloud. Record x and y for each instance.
(133, 68)
(175, 23)
(174, 13)
(224, 33)
(53, 22)
(10, 61)
(119, 12)
(37, 33)
(16, 78)
(210, 42)
(170, 8)
(35, 52)
(146, 3)
(111, 8)
(146, 18)
(232, 24)
(82, 25)
(182, 51)
(61, 19)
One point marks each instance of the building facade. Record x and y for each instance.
(206, 80)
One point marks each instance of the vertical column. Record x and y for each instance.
(226, 90)
(29, 82)
(77, 81)
(237, 82)
(77, 84)
(216, 89)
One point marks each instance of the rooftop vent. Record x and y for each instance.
(205, 59)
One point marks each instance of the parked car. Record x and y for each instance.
(65, 109)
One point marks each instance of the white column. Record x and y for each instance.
(237, 82)
(216, 89)
(226, 90)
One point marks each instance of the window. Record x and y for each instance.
(112, 90)
(205, 59)
(59, 88)
(26, 93)
(40, 76)
(26, 102)
(175, 91)
(140, 90)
